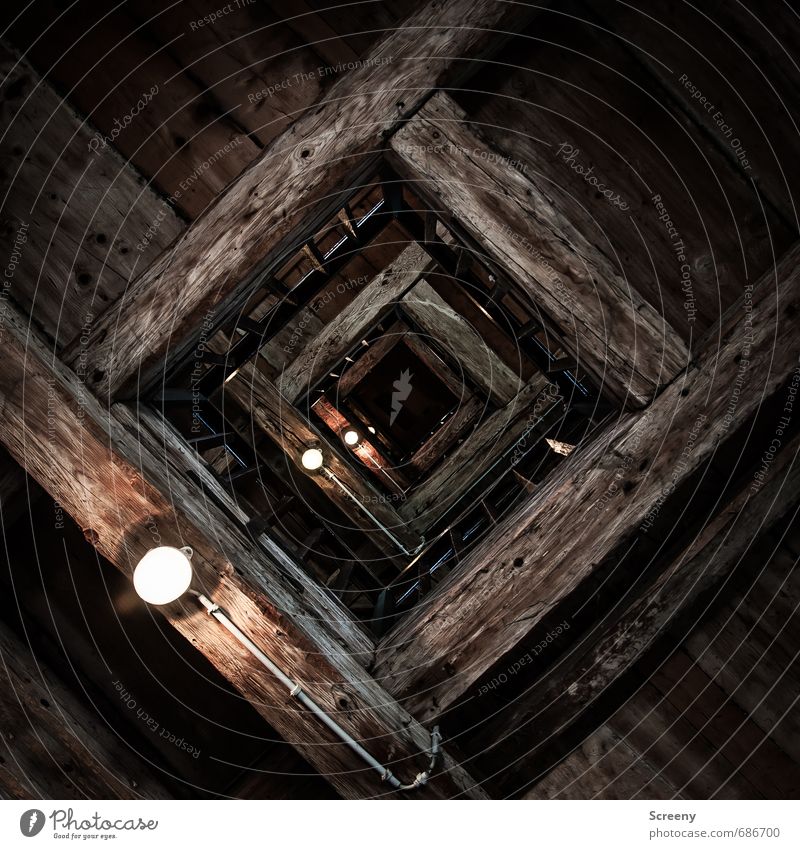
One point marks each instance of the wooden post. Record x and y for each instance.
(111, 483)
(295, 184)
(597, 498)
(612, 331)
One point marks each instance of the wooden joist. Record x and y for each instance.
(111, 483)
(614, 333)
(283, 424)
(517, 425)
(582, 676)
(321, 352)
(79, 221)
(53, 746)
(461, 342)
(591, 504)
(298, 180)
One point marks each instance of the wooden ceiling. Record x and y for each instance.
(579, 179)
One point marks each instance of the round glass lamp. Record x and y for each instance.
(312, 459)
(163, 574)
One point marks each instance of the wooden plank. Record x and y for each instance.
(651, 725)
(466, 417)
(734, 74)
(111, 483)
(296, 181)
(138, 97)
(256, 70)
(461, 343)
(538, 555)
(522, 420)
(326, 349)
(652, 190)
(75, 221)
(575, 683)
(604, 766)
(618, 336)
(727, 727)
(54, 746)
(283, 424)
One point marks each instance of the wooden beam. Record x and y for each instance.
(53, 746)
(283, 424)
(599, 496)
(298, 179)
(460, 341)
(522, 421)
(81, 222)
(111, 483)
(571, 687)
(615, 334)
(324, 350)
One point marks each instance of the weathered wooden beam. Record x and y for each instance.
(571, 687)
(617, 336)
(283, 424)
(80, 221)
(111, 483)
(53, 746)
(521, 422)
(323, 351)
(462, 342)
(592, 503)
(297, 180)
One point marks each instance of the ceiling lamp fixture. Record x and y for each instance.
(164, 574)
(312, 459)
(351, 437)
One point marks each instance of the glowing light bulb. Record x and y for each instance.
(312, 459)
(351, 437)
(163, 574)
(371, 429)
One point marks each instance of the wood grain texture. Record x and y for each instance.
(118, 489)
(538, 554)
(130, 87)
(85, 212)
(604, 766)
(461, 343)
(525, 417)
(666, 606)
(618, 336)
(53, 745)
(339, 336)
(285, 426)
(296, 181)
